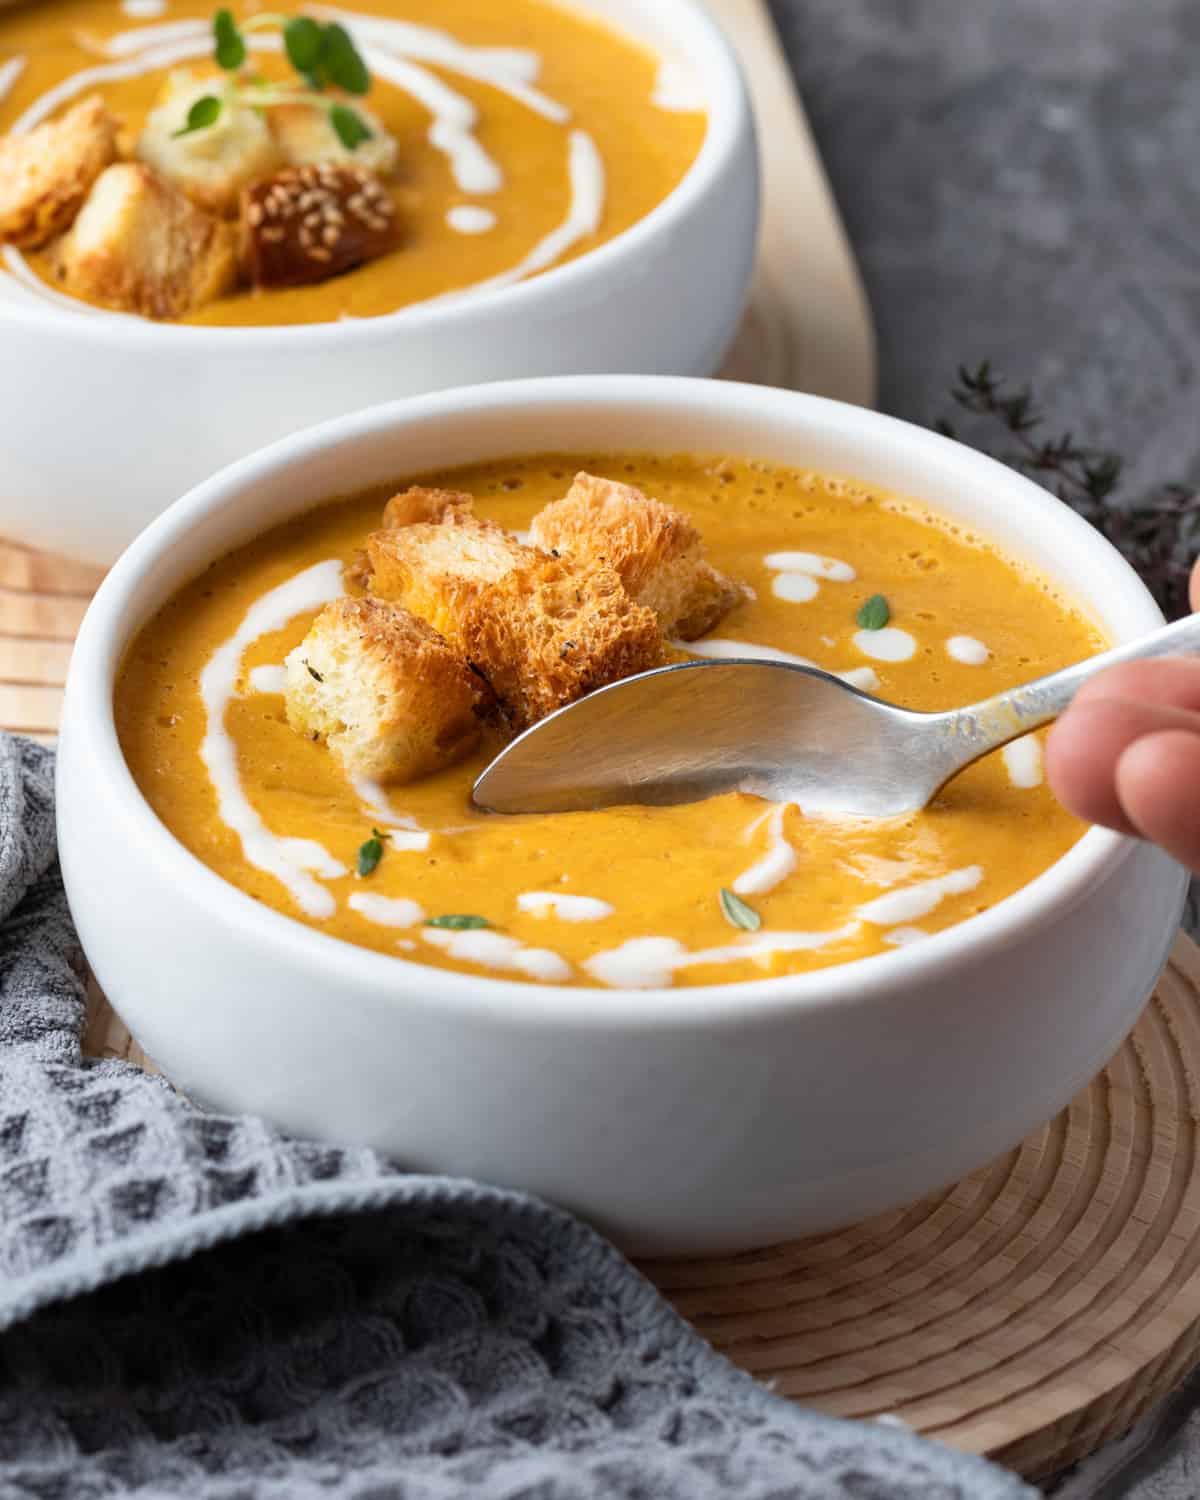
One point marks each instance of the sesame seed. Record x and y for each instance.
(254, 215)
(272, 235)
(317, 253)
(331, 234)
(377, 224)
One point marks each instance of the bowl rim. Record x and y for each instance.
(730, 123)
(106, 633)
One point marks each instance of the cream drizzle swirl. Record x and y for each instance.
(292, 861)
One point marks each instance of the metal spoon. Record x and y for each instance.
(787, 733)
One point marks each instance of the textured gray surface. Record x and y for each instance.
(1020, 183)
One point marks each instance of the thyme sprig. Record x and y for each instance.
(1159, 533)
(322, 56)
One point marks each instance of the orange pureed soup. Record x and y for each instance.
(525, 133)
(627, 896)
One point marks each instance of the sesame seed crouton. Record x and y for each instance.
(306, 137)
(46, 174)
(541, 630)
(140, 246)
(210, 166)
(305, 224)
(391, 699)
(419, 504)
(656, 550)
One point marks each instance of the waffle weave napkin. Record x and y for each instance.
(194, 1305)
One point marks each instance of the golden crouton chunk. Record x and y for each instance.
(306, 137)
(439, 571)
(656, 551)
(139, 246)
(211, 166)
(387, 694)
(418, 504)
(46, 175)
(540, 629)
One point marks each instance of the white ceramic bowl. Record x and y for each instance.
(687, 1120)
(109, 418)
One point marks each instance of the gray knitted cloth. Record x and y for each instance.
(193, 1305)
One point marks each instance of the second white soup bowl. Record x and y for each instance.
(682, 1121)
(109, 417)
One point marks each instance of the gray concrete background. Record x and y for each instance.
(1021, 182)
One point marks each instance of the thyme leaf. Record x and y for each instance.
(370, 853)
(458, 923)
(875, 613)
(737, 913)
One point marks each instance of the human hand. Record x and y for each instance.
(1126, 754)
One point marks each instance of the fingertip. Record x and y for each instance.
(1081, 757)
(1157, 781)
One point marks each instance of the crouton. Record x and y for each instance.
(656, 551)
(46, 174)
(439, 571)
(391, 699)
(140, 246)
(305, 224)
(540, 629)
(212, 165)
(306, 137)
(418, 504)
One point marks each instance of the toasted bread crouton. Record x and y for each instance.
(417, 504)
(211, 166)
(439, 571)
(387, 694)
(139, 246)
(46, 174)
(541, 630)
(306, 137)
(656, 551)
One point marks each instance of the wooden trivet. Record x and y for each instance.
(1033, 1312)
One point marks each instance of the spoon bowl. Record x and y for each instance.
(780, 731)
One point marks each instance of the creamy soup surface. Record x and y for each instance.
(529, 132)
(628, 896)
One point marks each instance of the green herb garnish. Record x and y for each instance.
(875, 613)
(322, 55)
(370, 853)
(314, 674)
(737, 913)
(458, 923)
(341, 62)
(348, 126)
(303, 40)
(203, 113)
(230, 45)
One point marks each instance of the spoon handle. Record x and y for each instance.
(997, 721)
